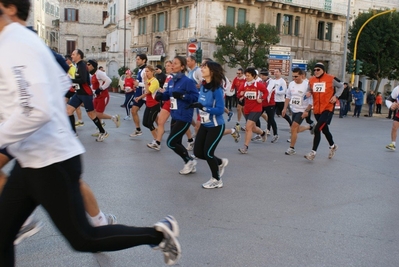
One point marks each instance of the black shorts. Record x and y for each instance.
(297, 117)
(253, 116)
(77, 100)
(241, 102)
(325, 116)
(69, 94)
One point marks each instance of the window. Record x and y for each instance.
(47, 10)
(278, 22)
(105, 15)
(70, 47)
(71, 14)
(296, 26)
(320, 30)
(159, 22)
(230, 18)
(103, 46)
(142, 26)
(57, 12)
(184, 17)
(328, 35)
(287, 24)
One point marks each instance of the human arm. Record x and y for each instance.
(339, 88)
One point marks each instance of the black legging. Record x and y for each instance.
(128, 102)
(229, 101)
(322, 126)
(56, 188)
(270, 111)
(206, 141)
(177, 130)
(150, 114)
(279, 109)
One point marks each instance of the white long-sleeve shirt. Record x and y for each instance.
(280, 88)
(34, 125)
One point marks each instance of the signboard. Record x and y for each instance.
(280, 58)
(192, 48)
(297, 63)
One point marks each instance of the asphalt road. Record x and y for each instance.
(274, 209)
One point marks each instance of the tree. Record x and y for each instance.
(377, 46)
(122, 70)
(245, 45)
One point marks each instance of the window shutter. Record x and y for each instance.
(66, 14)
(77, 15)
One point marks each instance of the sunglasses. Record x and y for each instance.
(295, 76)
(317, 69)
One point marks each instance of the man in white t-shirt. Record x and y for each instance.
(279, 86)
(393, 103)
(300, 106)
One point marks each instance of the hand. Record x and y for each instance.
(98, 91)
(283, 112)
(196, 105)
(333, 99)
(177, 95)
(158, 96)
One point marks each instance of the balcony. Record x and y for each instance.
(109, 21)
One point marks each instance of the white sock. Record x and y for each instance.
(99, 220)
(233, 130)
(394, 143)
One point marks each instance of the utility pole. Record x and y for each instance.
(124, 35)
(346, 42)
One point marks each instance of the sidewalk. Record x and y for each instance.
(365, 111)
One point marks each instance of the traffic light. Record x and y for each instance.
(198, 55)
(359, 67)
(351, 67)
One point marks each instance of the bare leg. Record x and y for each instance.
(89, 200)
(135, 115)
(162, 118)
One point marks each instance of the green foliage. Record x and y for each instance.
(245, 45)
(377, 46)
(122, 70)
(114, 82)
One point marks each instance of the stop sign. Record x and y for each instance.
(192, 48)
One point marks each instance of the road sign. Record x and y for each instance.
(192, 48)
(299, 63)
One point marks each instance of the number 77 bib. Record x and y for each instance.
(319, 87)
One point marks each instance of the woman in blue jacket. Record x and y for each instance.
(181, 92)
(211, 108)
(358, 97)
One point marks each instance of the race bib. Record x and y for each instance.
(251, 95)
(319, 87)
(296, 100)
(173, 103)
(204, 116)
(76, 86)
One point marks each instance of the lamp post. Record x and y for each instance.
(346, 41)
(124, 34)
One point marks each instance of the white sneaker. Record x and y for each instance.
(225, 162)
(101, 137)
(136, 133)
(188, 167)
(28, 230)
(290, 151)
(333, 149)
(236, 135)
(256, 138)
(169, 245)
(127, 118)
(117, 120)
(267, 132)
(275, 138)
(111, 219)
(190, 145)
(311, 155)
(213, 183)
(154, 145)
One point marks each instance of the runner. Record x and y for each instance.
(393, 104)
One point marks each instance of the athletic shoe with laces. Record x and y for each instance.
(243, 150)
(289, 140)
(96, 134)
(79, 123)
(190, 145)
(230, 115)
(267, 132)
(290, 151)
(236, 135)
(256, 138)
(312, 129)
(111, 219)
(225, 162)
(391, 147)
(264, 138)
(170, 246)
(213, 183)
(101, 137)
(28, 230)
(154, 145)
(117, 120)
(188, 167)
(136, 133)
(243, 128)
(275, 138)
(127, 118)
(311, 155)
(237, 127)
(333, 149)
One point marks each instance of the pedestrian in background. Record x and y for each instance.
(370, 101)
(358, 97)
(378, 102)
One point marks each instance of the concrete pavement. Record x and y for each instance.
(274, 209)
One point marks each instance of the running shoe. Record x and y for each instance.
(256, 138)
(275, 138)
(333, 149)
(79, 123)
(213, 183)
(312, 129)
(190, 145)
(103, 123)
(230, 115)
(237, 127)
(188, 167)
(290, 151)
(289, 140)
(136, 133)
(311, 155)
(222, 166)
(243, 150)
(267, 132)
(96, 134)
(169, 245)
(154, 145)
(127, 118)
(391, 147)
(28, 230)
(111, 219)
(101, 137)
(236, 135)
(264, 138)
(117, 120)
(243, 128)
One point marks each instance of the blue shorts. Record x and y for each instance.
(77, 100)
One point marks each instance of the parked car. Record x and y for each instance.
(121, 84)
